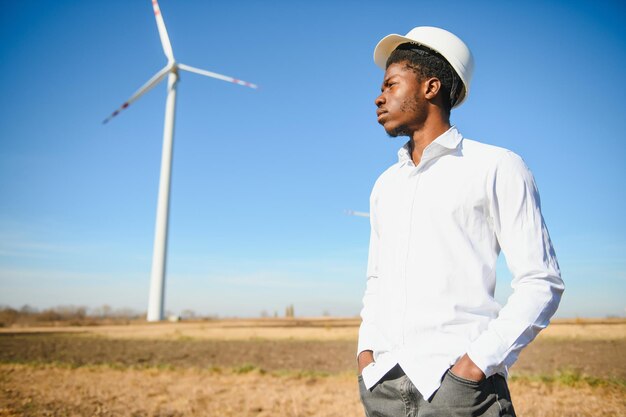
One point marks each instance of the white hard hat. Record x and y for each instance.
(447, 44)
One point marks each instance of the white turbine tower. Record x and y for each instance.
(157, 280)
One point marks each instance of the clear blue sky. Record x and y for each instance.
(261, 179)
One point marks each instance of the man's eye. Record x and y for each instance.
(387, 86)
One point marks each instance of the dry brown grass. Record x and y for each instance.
(585, 331)
(101, 391)
(299, 329)
(152, 392)
(271, 329)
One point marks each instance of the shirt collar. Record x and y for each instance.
(449, 140)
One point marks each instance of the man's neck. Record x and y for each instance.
(420, 139)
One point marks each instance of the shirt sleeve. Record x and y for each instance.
(369, 335)
(537, 284)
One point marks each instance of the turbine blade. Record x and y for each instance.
(157, 78)
(165, 40)
(357, 213)
(215, 75)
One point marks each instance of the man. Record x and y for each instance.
(433, 340)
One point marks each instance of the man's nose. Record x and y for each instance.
(380, 100)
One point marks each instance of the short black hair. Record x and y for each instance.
(427, 63)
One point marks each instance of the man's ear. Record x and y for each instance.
(432, 87)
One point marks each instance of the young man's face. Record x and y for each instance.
(401, 103)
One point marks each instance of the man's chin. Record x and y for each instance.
(398, 131)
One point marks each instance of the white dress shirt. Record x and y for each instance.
(436, 231)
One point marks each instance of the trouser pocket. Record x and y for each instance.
(460, 397)
(385, 399)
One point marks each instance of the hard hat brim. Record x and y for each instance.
(386, 46)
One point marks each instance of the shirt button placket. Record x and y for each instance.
(412, 184)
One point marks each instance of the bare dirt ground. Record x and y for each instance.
(590, 357)
(270, 368)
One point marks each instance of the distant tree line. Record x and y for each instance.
(70, 315)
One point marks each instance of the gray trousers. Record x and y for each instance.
(395, 396)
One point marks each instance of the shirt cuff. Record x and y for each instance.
(489, 351)
(369, 338)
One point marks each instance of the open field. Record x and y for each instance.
(271, 367)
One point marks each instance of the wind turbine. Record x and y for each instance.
(171, 70)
